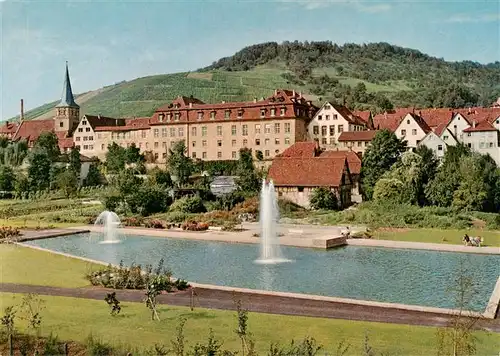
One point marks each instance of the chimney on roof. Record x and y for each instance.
(293, 92)
(473, 123)
(469, 111)
(385, 115)
(254, 100)
(21, 116)
(223, 101)
(190, 105)
(99, 116)
(300, 94)
(275, 91)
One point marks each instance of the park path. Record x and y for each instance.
(225, 300)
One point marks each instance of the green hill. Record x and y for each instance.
(374, 76)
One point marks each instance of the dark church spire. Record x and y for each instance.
(67, 99)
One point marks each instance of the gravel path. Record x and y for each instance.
(217, 299)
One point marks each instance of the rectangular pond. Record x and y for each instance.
(415, 277)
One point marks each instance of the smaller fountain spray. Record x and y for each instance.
(110, 223)
(270, 252)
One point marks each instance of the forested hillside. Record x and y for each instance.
(406, 77)
(375, 76)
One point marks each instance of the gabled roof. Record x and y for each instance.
(366, 117)
(31, 130)
(140, 123)
(357, 135)
(439, 129)
(67, 99)
(345, 113)
(353, 160)
(99, 121)
(64, 140)
(421, 122)
(307, 172)
(481, 127)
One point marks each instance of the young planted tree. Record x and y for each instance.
(7, 178)
(75, 162)
(457, 338)
(39, 171)
(115, 158)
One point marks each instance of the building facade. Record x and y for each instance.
(330, 122)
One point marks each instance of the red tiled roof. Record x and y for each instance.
(357, 135)
(353, 160)
(301, 149)
(100, 121)
(439, 129)
(348, 115)
(64, 140)
(8, 128)
(482, 126)
(31, 130)
(280, 97)
(307, 172)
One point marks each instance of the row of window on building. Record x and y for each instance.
(325, 130)
(227, 114)
(179, 131)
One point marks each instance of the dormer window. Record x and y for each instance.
(282, 111)
(273, 112)
(212, 115)
(169, 117)
(227, 114)
(177, 116)
(262, 112)
(200, 115)
(161, 117)
(240, 114)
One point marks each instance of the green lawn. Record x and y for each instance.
(491, 238)
(75, 319)
(24, 265)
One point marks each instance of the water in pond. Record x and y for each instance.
(387, 275)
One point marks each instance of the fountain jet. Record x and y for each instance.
(110, 222)
(270, 252)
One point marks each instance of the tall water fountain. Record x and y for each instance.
(270, 252)
(110, 223)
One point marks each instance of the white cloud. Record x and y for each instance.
(464, 18)
(362, 6)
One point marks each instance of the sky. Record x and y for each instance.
(109, 41)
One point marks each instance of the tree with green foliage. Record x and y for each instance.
(161, 177)
(133, 154)
(115, 158)
(248, 180)
(259, 155)
(39, 171)
(48, 142)
(439, 191)
(67, 181)
(384, 150)
(148, 199)
(75, 163)
(94, 176)
(14, 153)
(429, 167)
(324, 198)
(389, 190)
(126, 183)
(179, 164)
(7, 178)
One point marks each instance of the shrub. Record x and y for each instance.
(192, 204)
(176, 217)
(8, 233)
(192, 225)
(323, 198)
(148, 199)
(154, 224)
(135, 277)
(111, 201)
(133, 221)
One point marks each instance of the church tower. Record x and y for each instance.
(67, 111)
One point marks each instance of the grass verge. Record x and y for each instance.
(133, 327)
(24, 265)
